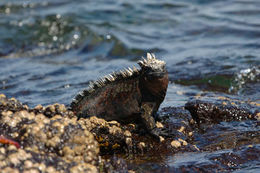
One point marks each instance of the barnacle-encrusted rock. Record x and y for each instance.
(53, 139)
(52, 110)
(129, 96)
(58, 143)
(22, 160)
(109, 135)
(10, 104)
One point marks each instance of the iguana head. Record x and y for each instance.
(153, 79)
(152, 67)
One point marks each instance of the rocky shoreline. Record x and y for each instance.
(53, 139)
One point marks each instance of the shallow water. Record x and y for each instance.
(51, 49)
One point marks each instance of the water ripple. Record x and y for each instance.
(69, 43)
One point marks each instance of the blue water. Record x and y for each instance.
(51, 49)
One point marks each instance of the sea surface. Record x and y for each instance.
(52, 49)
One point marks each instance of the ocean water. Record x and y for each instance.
(52, 49)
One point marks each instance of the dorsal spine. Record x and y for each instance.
(102, 82)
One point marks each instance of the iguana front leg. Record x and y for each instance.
(147, 110)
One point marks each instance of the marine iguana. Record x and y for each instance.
(129, 96)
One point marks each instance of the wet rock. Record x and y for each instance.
(226, 161)
(218, 109)
(223, 122)
(53, 139)
(115, 164)
(177, 122)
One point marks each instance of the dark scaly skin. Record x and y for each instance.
(110, 102)
(130, 99)
(153, 91)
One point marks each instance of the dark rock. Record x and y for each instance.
(215, 110)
